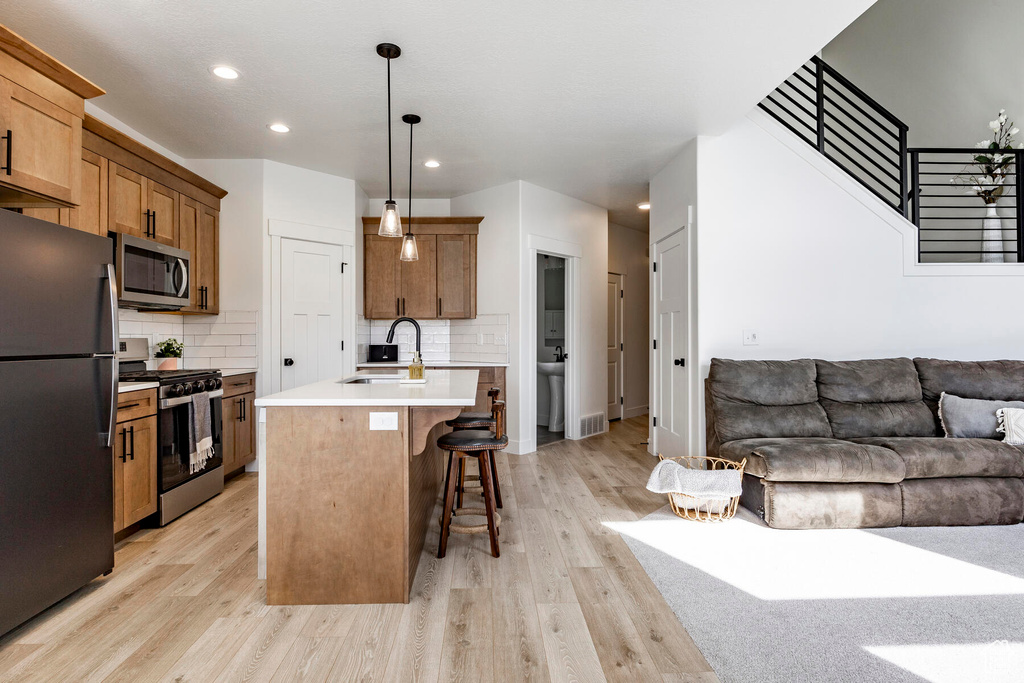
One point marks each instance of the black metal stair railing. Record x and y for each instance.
(955, 225)
(830, 113)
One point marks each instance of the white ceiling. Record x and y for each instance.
(584, 98)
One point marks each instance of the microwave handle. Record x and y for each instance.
(184, 278)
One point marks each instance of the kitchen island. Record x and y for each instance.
(349, 477)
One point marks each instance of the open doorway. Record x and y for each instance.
(552, 349)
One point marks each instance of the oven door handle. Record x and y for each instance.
(184, 277)
(182, 400)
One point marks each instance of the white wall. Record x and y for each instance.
(806, 262)
(420, 207)
(628, 256)
(945, 67)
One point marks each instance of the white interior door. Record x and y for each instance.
(672, 366)
(615, 347)
(312, 312)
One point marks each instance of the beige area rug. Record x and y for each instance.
(937, 604)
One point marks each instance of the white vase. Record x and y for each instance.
(992, 235)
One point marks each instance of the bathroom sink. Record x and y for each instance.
(551, 368)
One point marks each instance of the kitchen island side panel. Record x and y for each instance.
(337, 506)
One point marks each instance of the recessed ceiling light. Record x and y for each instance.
(279, 128)
(431, 163)
(644, 206)
(225, 72)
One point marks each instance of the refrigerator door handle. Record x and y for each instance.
(115, 334)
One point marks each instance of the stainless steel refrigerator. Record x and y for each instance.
(58, 404)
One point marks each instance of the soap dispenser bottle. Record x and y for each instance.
(416, 367)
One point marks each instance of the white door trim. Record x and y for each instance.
(279, 230)
(572, 252)
(622, 341)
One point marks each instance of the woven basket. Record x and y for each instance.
(704, 509)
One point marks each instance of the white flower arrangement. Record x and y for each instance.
(988, 176)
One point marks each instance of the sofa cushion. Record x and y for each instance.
(815, 460)
(928, 458)
(1000, 380)
(752, 398)
(873, 398)
(789, 505)
(962, 502)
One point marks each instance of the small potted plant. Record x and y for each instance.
(169, 351)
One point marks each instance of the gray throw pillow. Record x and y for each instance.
(971, 418)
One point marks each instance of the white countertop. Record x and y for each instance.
(442, 388)
(231, 372)
(435, 364)
(122, 387)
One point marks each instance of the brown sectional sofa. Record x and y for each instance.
(858, 444)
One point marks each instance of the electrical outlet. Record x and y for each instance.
(384, 422)
(750, 338)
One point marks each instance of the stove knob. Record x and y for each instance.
(217, 383)
(198, 385)
(186, 388)
(211, 384)
(176, 390)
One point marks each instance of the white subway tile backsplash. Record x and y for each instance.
(240, 351)
(227, 340)
(233, 328)
(442, 340)
(218, 340)
(240, 317)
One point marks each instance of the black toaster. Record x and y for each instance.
(383, 353)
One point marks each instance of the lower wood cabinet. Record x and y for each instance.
(135, 462)
(239, 431)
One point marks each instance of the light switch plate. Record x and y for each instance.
(750, 338)
(383, 422)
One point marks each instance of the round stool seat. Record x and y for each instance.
(471, 440)
(472, 421)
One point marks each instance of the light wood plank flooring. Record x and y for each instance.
(566, 601)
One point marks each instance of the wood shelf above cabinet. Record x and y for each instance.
(440, 285)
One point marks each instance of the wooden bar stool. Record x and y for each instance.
(481, 445)
(476, 420)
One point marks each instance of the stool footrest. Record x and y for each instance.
(470, 528)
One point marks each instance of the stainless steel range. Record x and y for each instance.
(180, 490)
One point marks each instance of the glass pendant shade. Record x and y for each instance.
(409, 250)
(390, 221)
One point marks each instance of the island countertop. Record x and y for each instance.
(442, 388)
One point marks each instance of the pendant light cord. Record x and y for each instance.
(390, 173)
(409, 219)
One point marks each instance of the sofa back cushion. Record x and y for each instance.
(750, 399)
(997, 380)
(880, 397)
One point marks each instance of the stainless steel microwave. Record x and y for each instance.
(151, 275)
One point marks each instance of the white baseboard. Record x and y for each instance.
(635, 412)
(521, 446)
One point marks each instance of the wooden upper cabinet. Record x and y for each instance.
(441, 284)
(456, 276)
(91, 213)
(207, 260)
(382, 277)
(43, 142)
(162, 203)
(188, 234)
(54, 215)
(419, 280)
(128, 202)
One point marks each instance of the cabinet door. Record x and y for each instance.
(53, 215)
(127, 204)
(382, 277)
(208, 248)
(163, 207)
(456, 276)
(245, 434)
(139, 479)
(188, 231)
(231, 411)
(91, 214)
(121, 449)
(419, 280)
(45, 144)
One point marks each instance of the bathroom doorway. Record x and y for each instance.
(552, 348)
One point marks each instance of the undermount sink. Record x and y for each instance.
(551, 368)
(372, 379)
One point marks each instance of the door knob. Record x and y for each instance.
(289, 362)
(680, 362)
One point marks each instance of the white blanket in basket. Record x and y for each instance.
(671, 477)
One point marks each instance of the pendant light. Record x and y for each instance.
(409, 250)
(390, 221)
